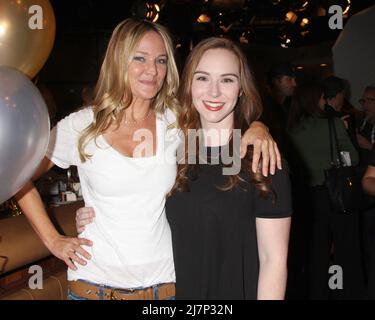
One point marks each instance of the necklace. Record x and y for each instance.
(139, 120)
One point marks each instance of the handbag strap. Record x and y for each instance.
(333, 136)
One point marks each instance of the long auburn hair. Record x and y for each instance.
(112, 92)
(247, 110)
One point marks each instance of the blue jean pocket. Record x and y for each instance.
(72, 296)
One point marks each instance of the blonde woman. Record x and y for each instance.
(119, 146)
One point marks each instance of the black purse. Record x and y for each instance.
(343, 182)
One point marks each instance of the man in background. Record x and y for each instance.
(276, 101)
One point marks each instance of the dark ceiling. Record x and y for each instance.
(252, 21)
(84, 28)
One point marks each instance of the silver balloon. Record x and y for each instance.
(24, 130)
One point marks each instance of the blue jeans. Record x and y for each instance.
(72, 296)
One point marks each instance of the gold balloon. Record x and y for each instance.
(27, 34)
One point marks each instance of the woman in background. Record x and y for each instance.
(332, 237)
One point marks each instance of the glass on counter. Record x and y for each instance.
(9, 209)
(60, 186)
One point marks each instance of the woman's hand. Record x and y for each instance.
(345, 120)
(67, 249)
(363, 142)
(84, 216)
(259, 136)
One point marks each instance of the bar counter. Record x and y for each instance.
(20, 245)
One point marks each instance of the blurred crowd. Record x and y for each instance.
(321, 236)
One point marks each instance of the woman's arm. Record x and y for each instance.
(273, 239)
(368, 181)
(65, 248)
(264, 145)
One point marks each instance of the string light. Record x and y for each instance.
(303, 7)
(347, 7)
(299, 18)
(153, 11)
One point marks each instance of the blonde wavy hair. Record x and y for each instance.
(112, 92)
(247, 110)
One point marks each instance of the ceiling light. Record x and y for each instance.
(285, 41)
(304, 22)
(204, 18)
(322, 12)
(3, 27)
(291, 17)
(247, 36)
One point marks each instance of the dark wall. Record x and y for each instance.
(74, 62)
